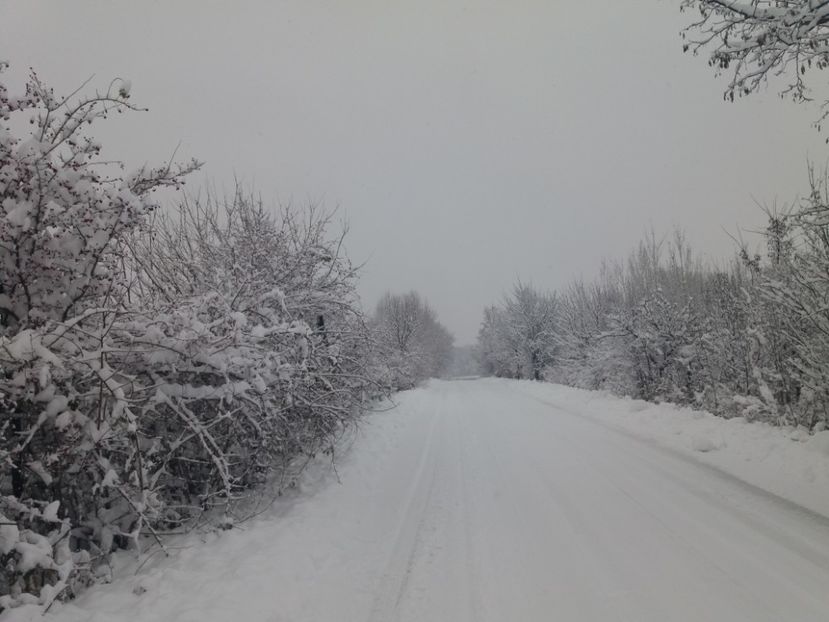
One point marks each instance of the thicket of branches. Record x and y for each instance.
(749, 340)
(153, 368)
(753, 40)
(411, 342)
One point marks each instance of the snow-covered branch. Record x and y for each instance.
(755, 40)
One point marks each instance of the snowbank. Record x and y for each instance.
(788, 462)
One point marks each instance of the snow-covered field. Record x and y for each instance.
(498, 500)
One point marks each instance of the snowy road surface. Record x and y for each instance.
(475, 501)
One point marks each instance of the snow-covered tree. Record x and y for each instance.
(532, 318)
(498, 355)
(412, 343)
(518, 338)
(755, 39)
(746, 340)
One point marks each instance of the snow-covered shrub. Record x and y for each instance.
(152, 368)
(254, 351)
(794, 286)
(36, 562)
(660, 339)
(65, 214)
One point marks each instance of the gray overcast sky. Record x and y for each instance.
(467, 143)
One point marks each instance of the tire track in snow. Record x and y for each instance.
(656, 447)
(723, 545)
(395, 577)
(471, 557)
(596, 539)
(433, 563)
(732, 496)
(541, 544)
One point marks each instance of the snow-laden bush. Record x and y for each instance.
(795, 285)
(65, 214)
(64, 210)
(152, 368)
(255, 351)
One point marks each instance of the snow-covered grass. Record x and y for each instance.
(788, 462)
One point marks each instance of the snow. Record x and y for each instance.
(819, 442)
(704, 443)
(125, 89)
(492, 500)
(38, 468)
(9, 535)
(788, 462)
(20, 216)
(26, 346)
(50, 512)
(34, 551)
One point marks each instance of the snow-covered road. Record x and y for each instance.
(479, 500)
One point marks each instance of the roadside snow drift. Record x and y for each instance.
(788, 462)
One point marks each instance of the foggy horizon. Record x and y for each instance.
(465, 146)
